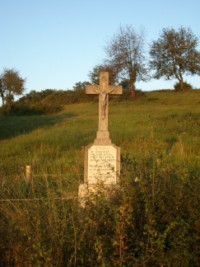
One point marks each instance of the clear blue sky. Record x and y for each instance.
(56, 43)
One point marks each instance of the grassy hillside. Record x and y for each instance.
(54, 143)
(154, 221)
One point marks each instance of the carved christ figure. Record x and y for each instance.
(104, 96)
(104, 103)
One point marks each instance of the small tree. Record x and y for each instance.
(174, 54)
(11, 84)
(80, 86)
(94, 74)
(125, 54)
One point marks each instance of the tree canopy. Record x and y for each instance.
(11, 84)
(80, 85)
(175, 54)
(125, 53)
(94, 74)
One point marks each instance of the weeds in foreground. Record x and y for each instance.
(153, 220)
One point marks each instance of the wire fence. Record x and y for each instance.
(37, 199)
(29, 175)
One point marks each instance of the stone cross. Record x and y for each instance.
(103, 90)
(102, 157)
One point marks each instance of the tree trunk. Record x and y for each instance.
(9, 101)
(2, 96)
(132, 90)
(132, 86)
(3, 100)
(180, 77)
(181, 85)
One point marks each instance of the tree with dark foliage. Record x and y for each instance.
(174, 54)
(11, 84)
(94, 74)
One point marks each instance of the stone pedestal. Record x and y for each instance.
(102, 164)
(101, 169)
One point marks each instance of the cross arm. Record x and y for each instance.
(92, 89)
(96, 89)
(115, 90)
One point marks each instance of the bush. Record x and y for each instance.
(28, 110)
(186, 86)
(52, 101)
(152, 221)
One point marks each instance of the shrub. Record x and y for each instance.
(28, 110)
(186, 86)
(152, 221)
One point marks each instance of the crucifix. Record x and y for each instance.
(103, 90)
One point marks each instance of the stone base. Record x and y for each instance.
(90, 192)
(103, 137)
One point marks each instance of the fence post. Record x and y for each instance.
(28, 173)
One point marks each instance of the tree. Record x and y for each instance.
(125, 53)
(94, 74)
(174, 54)
(80, 85)
(11, 84)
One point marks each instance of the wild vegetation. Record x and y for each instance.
(153, 220)
(52, 101)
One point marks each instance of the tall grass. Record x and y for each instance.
(153, 220)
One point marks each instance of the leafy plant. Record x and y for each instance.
(182, 87)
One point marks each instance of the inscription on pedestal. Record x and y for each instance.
(102, 165)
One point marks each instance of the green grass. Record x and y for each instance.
(151, 222)
(55, 144)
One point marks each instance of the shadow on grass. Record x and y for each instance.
(11, 126)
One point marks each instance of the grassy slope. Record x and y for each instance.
(153, 222)
(165, 123)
